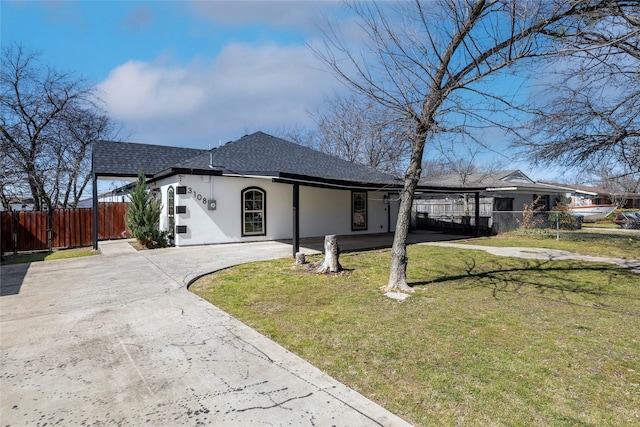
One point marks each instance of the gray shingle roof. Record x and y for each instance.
(264, 154)
(478, 180)
(506, 179)
(125, 159)
(255, 154)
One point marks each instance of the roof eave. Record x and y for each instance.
(120, 176)
(527, 189)
(188, 171)
(289, 178)
(444, 189)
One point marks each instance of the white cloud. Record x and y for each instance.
(245, 88)
(139, 91)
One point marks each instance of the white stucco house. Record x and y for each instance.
(256, 188)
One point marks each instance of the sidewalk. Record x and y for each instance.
(543, 254)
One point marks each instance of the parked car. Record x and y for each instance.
(629, 219)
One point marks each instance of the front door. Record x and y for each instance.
(393, 207)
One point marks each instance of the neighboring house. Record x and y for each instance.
(501, 195)
(17, 204)
(602, 196)
(256, 188)
(118, 195)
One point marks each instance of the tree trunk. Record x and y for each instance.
(399, 259)
(330, 264)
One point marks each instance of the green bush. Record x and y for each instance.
(560, 217)
(143, 217)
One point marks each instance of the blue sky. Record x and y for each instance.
(194, 73)
(184, 73)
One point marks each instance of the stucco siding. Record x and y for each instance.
(322, 211)
(378, 218)
(325, 211)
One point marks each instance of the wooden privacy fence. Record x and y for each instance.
(61, 228)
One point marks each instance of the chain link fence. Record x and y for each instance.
(557, 223)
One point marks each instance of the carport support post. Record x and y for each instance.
(296, 219)
(477, 212)
(50, 229)
(94, 221)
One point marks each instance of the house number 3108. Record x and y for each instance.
(198, 196)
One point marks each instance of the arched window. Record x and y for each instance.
(171, 210)
(254, 208)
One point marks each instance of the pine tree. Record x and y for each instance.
(143, 217)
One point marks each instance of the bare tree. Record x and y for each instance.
(355, 129)
(47, 120)
(462, 159)
(358, 130)
(617, 187)
(588, 110)
(300, 135)
(434, 62)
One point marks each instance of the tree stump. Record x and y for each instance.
(330, 264)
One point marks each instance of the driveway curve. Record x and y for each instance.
(117, 339)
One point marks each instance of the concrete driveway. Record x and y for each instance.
(117, 339)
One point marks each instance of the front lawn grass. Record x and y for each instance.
(484, 340)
